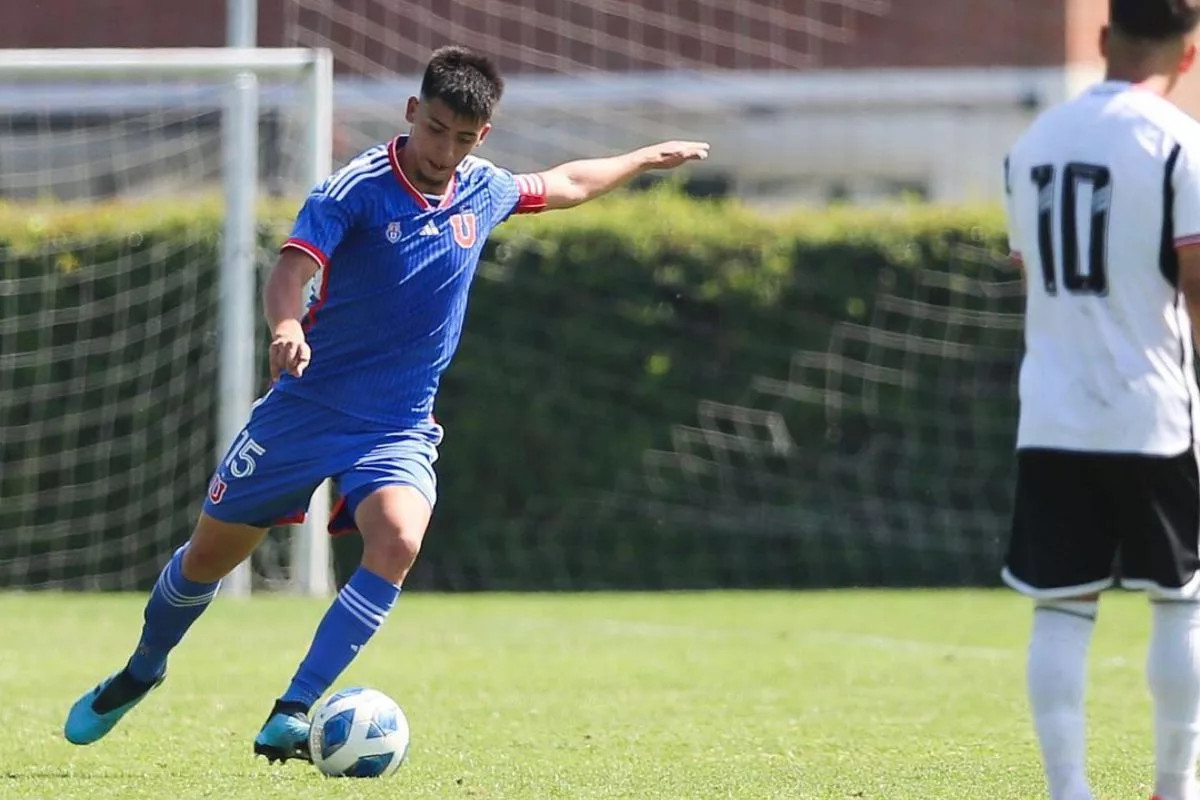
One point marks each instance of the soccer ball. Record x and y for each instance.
(358, 733)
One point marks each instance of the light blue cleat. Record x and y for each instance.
(95, 714)
(285, 734)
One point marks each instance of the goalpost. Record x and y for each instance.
(139, 124)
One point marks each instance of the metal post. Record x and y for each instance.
(310, 542)
(237, 315)
(319, 87)
(241, 23)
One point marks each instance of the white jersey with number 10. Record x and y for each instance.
(1100, 192)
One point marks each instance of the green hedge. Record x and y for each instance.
(592, 336)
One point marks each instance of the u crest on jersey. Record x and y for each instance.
(394, 231)
(464, 228)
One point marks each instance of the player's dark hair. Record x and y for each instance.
(467, 82)
(1154, 20)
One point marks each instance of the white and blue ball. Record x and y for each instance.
(359, 733)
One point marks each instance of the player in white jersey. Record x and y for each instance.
(1103, 206)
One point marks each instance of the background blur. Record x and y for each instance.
(802, 373)
(812, 99)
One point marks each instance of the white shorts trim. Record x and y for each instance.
(1057, 593)
(1189, 591)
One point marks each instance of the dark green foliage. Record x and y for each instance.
(606, 412)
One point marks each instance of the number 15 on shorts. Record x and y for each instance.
(240, 460)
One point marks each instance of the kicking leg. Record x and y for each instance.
(393, 520)
(184, 589)
(1056, 676)
(1173, 674)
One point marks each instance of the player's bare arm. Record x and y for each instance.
(1189, 284)
(577, 182)
(283, 306)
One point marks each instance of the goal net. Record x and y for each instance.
(737, 489)
(111, 233)
(812, 101)
(112, 167)
(586, 78)
(911, 482)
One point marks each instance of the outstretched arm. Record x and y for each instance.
(577, 182)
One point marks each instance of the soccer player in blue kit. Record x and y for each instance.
(396, 236)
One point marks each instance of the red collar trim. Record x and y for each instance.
(394, 148)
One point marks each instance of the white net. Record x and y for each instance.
(800, 100)
(110, 207)
(588, 78)
(799, 103)
(912, 479)
(878, 452)
(374, 37)
(107, 333)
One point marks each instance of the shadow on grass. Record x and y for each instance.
(64, 773)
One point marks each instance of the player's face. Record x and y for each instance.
(438, 142)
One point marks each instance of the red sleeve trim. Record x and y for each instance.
(533, 193)
(309, 249)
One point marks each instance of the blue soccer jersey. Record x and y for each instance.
(396, 267)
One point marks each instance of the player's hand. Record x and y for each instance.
(290, 353)
(670, 155)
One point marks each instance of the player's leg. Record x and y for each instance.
(389, 494)
(1161, 554)
(392, 520)
(260, 480)
(1061, 555)
(1056, 682)
(185, 588)
(187, 585)
(1173, 676)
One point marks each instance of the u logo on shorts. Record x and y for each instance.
(216, 489)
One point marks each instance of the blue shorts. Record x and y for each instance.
(290, 445)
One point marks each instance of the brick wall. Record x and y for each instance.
(126, 23)
(1083, 21)
(949, 33)
(910, 33)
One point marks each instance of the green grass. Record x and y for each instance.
(810, 695)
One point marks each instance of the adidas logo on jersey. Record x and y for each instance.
(430, 229)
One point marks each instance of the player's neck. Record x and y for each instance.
(1158, 83)
(412, 172)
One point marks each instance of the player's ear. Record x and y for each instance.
(483, 133)
(410, 113)
(1104, 41)
(1189, 58)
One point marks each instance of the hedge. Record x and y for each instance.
(600, 412)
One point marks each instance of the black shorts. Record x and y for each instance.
(1083, 522)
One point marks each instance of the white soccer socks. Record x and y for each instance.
(1173, 675)
(1056, 676)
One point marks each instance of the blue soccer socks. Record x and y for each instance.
(173, 606)
(360, 608)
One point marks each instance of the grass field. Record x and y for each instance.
(809, 695)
